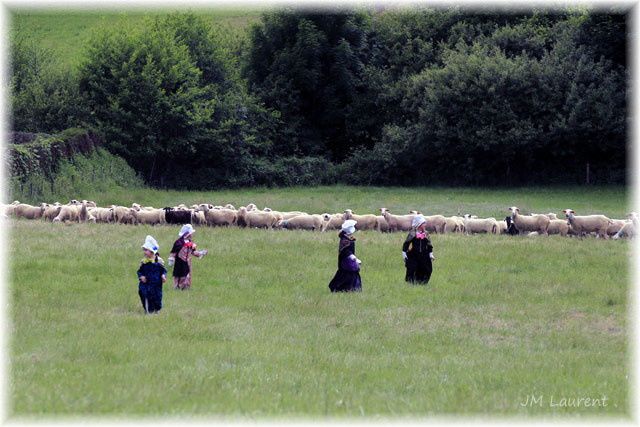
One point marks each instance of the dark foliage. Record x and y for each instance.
(410, 96)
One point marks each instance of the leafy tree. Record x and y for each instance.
(308, 66)
(43, 97)
(165, 100)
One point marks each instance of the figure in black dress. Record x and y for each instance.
(347, 278)
(417, 252)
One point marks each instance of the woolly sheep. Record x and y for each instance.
(291, 214)
(256, 218)
(397, 222)
(9, 210)
(27, 211)
(303, 222)
(523, 223)
(148, 217)
(454, 224)
(51, 211)
(177, 216)
(558, 226)
(122, 215)
(331, 222)
(103, 215)
(629, 229)
(615, 226)
(221, 217)
(435, 223)
(197, 217)
(364, 222)
(68, 213)
(502, 227)
(383, 225)
(588, 223)
(480, 225)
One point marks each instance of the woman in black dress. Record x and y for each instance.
(417, 252)
(347, 278)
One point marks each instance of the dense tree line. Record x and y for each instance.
(393, 97)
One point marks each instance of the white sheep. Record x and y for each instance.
(480, 225)
(26, 211)
(435, 223)
(397, 222)
(302, 222)
(104, 215)
(502, 227)
(364, 222)
(454, 224)
(629, 229)
(221, 217)
(539, 223)
(331, 222)
(68, 213)
(615, 226)
(558, 226)
(588, 223)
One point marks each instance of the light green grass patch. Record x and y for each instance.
(67, 33)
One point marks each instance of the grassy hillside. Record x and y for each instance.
(66, 33)
(259, 335)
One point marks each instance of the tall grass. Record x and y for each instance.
(259, 335)
(97, 173)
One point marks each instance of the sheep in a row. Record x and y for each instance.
(586, 224)
(397, 222)
(630, 228)
(480, 225)
(364, 222)
(538, 223)
(250, 216)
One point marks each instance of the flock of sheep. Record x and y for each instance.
(250, 216)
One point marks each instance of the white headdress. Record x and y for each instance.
(151, 244)
(186, 229)
(417, 220)
(349, 226)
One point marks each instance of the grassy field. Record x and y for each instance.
(260, 336)
(67, 32)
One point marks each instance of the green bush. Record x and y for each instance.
(43, 97)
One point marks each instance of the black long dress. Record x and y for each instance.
(418, 261)
(347, 278)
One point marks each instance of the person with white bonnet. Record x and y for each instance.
(347, 278)
(151, 276)
(417, 252)
(180, 257)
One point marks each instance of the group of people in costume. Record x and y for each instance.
(417, 252)
(152, 272)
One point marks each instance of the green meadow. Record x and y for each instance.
(259, 336)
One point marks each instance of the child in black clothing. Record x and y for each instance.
(417, 252)
(151, 275)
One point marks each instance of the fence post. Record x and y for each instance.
(588, 177)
